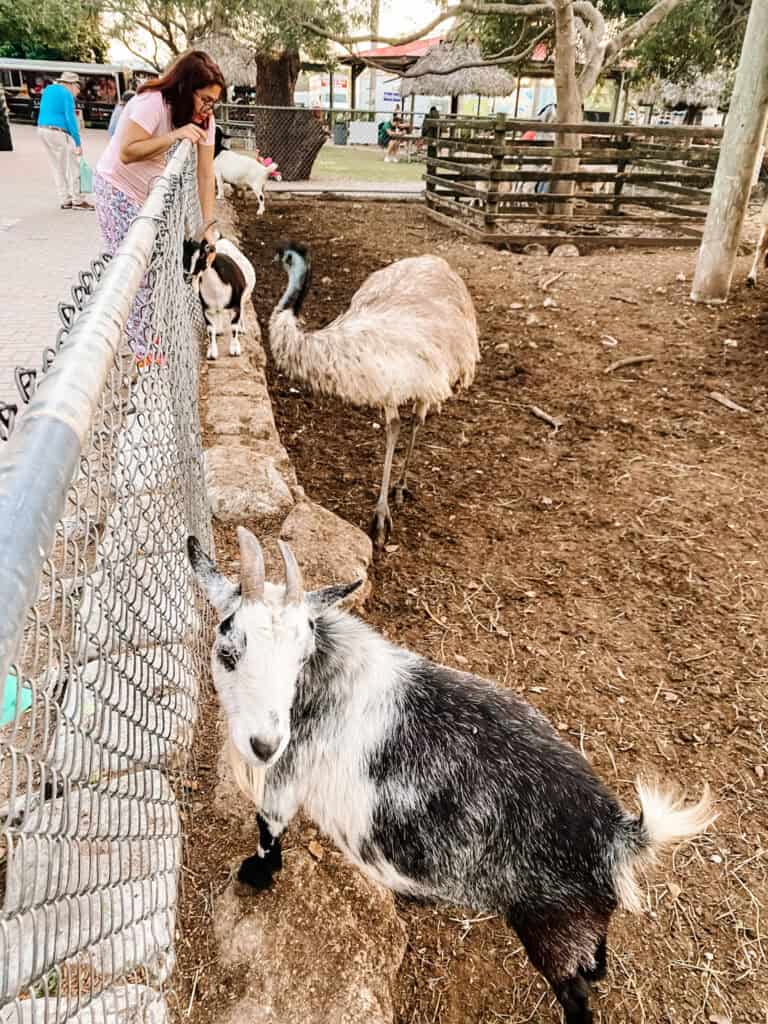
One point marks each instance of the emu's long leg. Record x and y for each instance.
(401, 487)
(381, 524)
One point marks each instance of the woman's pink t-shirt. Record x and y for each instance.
(150, 111)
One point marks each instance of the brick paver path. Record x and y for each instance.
(42, 250)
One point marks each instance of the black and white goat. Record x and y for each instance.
(224, 279)
(433, 782)
(239, 171)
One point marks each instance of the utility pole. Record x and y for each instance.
(743, 136)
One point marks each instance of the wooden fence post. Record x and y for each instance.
(744, 133)
(497, 164)
(624, 142)
(432, 145)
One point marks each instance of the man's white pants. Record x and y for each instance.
(60, 147)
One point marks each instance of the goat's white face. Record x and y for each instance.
(264, 637)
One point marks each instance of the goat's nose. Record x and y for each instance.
(264, 749)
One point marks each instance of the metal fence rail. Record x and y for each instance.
(101, 638)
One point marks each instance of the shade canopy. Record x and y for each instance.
(703, 91)
(236, 60)
(423, 80)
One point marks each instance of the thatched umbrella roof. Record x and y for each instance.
(236, 60)
(422, 80)
(704, 91)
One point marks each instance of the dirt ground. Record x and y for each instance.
(613, 571)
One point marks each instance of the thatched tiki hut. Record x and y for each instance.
(236, 60)
(440, 72)
(703, 91)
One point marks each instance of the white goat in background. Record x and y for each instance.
(238, 171)
(433, 782)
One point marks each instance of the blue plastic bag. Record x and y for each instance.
(14, 699)
(86, 177)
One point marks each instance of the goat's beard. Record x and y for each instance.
(249, 778)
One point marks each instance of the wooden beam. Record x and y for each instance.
(584, 242)
(744, 134)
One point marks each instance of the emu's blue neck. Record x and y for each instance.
(298, 285)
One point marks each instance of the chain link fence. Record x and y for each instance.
(102, 638)
(292, 136)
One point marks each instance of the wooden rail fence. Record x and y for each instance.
(591, 183)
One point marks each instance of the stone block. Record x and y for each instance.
(306, 952)
(243, 485)
(328, 548)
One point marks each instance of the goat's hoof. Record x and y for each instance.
(380, 529)
(257, 873)
(211, 358)
(751, 282)
(234, 349)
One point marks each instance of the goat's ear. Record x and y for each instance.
(319, 600)
(220, 591)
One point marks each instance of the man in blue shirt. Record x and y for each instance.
(60, 134)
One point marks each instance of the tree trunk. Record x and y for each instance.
(276, 78)
(568, 92)
(294, 137)
(372, 75)
(743, 136)
(6, 142)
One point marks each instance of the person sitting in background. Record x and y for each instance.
(429, 131)
(395, 134)
(119, 108)
(59, 131)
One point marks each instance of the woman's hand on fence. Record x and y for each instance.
(190, 131)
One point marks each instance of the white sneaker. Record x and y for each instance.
(386, 159)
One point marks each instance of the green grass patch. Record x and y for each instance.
(362, 163)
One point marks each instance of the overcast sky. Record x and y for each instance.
(400, 16)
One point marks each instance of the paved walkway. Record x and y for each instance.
(43, 249)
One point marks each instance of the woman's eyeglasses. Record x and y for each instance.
(206, 102)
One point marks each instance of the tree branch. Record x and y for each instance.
(591, 26)
(640, 28)
(142, 56)
(495, 61)
(463, 7)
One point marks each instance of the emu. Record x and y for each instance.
(408, 336)
(433, 782)
(224, 279)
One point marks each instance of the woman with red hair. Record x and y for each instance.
(177, 105)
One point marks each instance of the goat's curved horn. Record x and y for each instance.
(251, 566)
(201, 233)
(294, 585)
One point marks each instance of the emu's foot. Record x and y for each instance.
(399, 493)
(258, 872)
(234, 347)
(380, 529)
